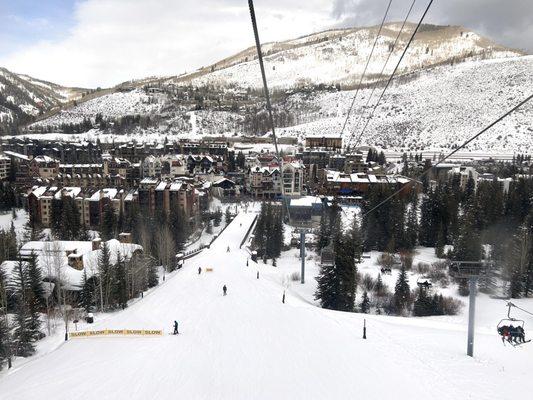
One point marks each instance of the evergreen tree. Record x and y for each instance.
(108, 224)
(4, 328)
(379, 287)
(337, 282)
(217, 217)
(36, 283)
(423, 305)
(32, 230)
(84, 234)
(209, 228)
(411, 228)
(365, 303)
(104, 275)
(228, 216)
(120, 283)
(24, 321)
(4, 339)
(87, 293)
(152, 277)
(439, 246)
(518, 263)
(402, 292)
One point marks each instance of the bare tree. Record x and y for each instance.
(166, 248)
(58, 262)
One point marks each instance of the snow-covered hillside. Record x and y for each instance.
(23, 97)
(451, 83)
(249, 345)
(434, 109)
(112, 105)
(339, 56)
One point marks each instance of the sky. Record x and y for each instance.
(91, 43)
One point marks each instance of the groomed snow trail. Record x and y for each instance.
(248, 345)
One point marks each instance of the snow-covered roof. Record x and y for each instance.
(68, 191)
(17, 155)
(44, 158)
(107, 193)
(53, 256)
(175, 186)
(306, 201)
(161, 186)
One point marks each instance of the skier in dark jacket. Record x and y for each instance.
(224, 289)
(176, 327)
(199, 270)
(521, 334)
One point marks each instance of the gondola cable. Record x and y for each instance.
(392, 74)
(382, 71)
(425, 172)
(364, 70)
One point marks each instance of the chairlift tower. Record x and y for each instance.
(303, 228)
(470, 270)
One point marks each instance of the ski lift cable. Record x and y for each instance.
(393, 73)
(263, 75)
(382, 70)
(366, 66)
(520, 308)
(425, 172)
(267, 98)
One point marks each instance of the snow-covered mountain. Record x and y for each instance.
(23, 97)
(339, 56)
(451, 83)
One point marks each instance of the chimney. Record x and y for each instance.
(96, 244)
(124, 237)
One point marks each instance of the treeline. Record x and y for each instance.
(337, 280)
(256, 120)
(8, 197)
(458, 221)
(116, 282)
(24, 299)
(268, 234)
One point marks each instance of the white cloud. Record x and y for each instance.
(117, 40)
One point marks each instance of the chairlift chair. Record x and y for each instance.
(424, 282)
(515, 322)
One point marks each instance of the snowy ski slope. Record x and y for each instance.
(248, 345)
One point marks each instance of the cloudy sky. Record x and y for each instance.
(93, 43)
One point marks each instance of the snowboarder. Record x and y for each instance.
(224, 289)
(199, 270)
(176, 328)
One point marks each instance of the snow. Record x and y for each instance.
(18, 223)
(250, 345)
(340, 56)
(432, 110)
(306, 201)
(52, 265)
(107, 192)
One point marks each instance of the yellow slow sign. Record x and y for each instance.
(111, 332)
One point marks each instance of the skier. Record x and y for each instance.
(257, 274)
(224, 289)
(199, 270)
(228, 249)
(521, 334)
(176, 328)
